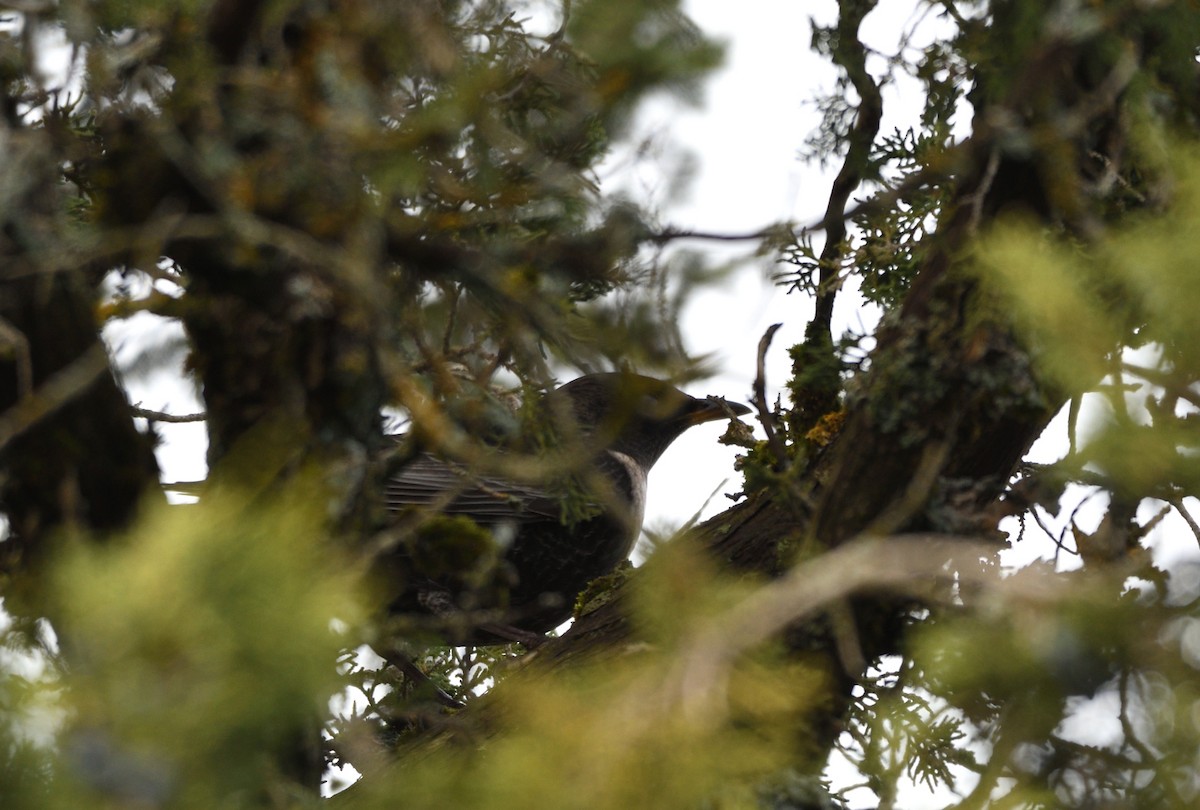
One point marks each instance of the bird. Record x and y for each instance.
(502, 559)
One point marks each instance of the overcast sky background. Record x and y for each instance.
(745, 137)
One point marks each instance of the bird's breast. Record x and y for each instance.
(630, 486)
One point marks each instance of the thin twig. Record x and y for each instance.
(1131, 737)
(193, 488)
(159, 416)
(976, 197)
(671, 234)
(1179, 506)
(765, 416)
(1165, 380)
(1073, 426)
(451, 318)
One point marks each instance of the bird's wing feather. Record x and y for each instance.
(450, 489)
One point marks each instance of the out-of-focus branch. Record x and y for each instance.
(159, 416)
(914, 565)
(231, 24)
(58, 389)
(18, 346)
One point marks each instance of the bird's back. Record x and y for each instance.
(525, 550)
(529, 564)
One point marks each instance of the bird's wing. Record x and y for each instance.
(450, 489)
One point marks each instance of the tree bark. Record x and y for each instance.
(70, 454)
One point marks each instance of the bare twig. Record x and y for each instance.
(1179, 506)
(159, 416)
(1131, 737)
(193, 488)
(671, 234)
(975, 199)
(1059, 539)
(765, 416)
(455, 296)
(928, 175)
(1166, 380)
(403, 662)
(1073, 425)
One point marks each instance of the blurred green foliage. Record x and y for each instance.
(614, 732)
(200, 647)
(1082, 307)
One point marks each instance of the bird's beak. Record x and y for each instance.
(710, 409)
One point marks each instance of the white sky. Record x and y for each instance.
(745, 138)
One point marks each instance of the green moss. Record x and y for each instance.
(446, 545)
(601, 590)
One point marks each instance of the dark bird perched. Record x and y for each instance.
(574, 521)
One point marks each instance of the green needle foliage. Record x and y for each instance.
(171, 693)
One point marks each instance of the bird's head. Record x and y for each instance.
(630, 413)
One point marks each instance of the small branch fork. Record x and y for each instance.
(765, 416)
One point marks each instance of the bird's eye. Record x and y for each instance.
(658, 405)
